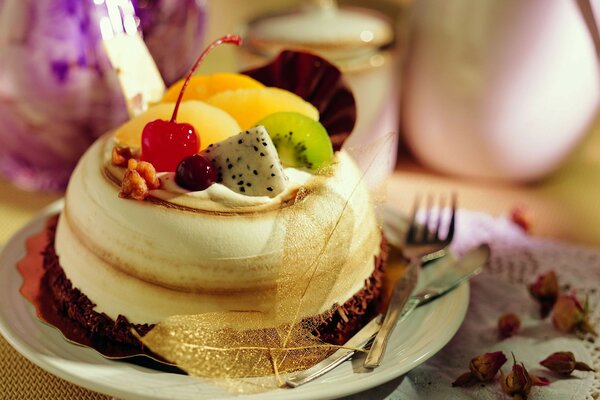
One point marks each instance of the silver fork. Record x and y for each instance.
(421, 245)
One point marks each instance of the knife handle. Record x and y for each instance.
(397, 304)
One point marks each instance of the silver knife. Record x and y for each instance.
(464, 268)
(460, 271)
(358, 341)
(400, 295)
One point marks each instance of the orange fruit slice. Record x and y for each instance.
(250, 105)
(201, 87)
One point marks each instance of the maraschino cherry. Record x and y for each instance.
(165, 143)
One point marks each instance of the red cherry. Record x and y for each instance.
(195, 173)
(165, 143)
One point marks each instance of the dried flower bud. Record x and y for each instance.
(545, 290)
(509, 325)
(486, 366)
(518, 381)
(483, 368)
(522, 217)
(568, 315)
(564, 363)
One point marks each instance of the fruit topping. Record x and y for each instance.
(139, 179)
(248, 163)
(195, 173)
(120, 156)
(248, 106)
(165, 143)
(215, 124)
(300, 141)
(201, 87)
(317, 81)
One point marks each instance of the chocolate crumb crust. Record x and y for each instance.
(68, 307)
(342, 322)
(74, 311)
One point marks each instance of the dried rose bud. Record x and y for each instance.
(517, 383)
(509, 325)
(522, 217)
(545, 290)
(486, 366)
(482, 368)
(564, 363)
(568, 315)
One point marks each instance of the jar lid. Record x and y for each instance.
(333, 32)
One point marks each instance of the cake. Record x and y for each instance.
(136, 244)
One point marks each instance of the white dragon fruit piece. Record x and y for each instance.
(248, 163)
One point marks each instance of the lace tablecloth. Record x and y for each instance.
(517, 259)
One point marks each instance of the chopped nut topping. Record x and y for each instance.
(133, 186)
(139, 179)
(121, 156)
(147, 171)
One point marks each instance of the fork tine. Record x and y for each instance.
(435, 235)
(413, 227)
(428, 212)
(452, 219)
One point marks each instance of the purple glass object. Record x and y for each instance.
(173, 32)
(58, 90)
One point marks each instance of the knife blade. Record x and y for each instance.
(358, 341)
(469, 265)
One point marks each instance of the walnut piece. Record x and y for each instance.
(121, 155)
(139, 179)
(147, 171)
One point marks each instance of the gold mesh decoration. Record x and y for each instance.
(249, 351)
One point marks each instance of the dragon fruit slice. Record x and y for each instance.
(248, 163)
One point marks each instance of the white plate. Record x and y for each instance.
(418, 338)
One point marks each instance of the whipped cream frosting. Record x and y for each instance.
(183, 252)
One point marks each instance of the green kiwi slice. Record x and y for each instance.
(301, 142)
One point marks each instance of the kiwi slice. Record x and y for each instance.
(301, 142)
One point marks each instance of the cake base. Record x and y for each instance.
(116, 339)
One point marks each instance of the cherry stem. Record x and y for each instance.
(233, 39)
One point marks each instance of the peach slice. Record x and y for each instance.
(201, 87)
(248, 106)
(211, 124)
